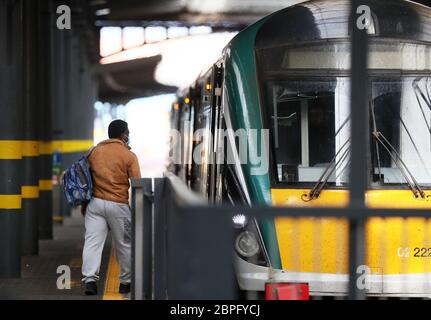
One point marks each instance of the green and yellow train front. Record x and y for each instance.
(289, 74)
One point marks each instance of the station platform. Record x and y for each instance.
(39, 273)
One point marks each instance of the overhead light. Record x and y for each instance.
(155, 34)
(103, 12)
(198, 30)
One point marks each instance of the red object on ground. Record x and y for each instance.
(287, 291)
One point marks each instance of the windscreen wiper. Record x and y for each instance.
(373, 117)
(321, 182)
(418, 92)
(395, 156)
(427, 99)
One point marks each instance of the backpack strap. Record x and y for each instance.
(89, 152)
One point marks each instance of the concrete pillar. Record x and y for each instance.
(30, 186)
(60, 102)
(44, 115)
(74, 114)
(11, 136)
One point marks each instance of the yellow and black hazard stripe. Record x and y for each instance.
(30, 197)
(11, 154)
(29, 150)
(26, 167)
(17, 149)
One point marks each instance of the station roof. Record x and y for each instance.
(122, 81)
(185, 11)
(190, 11)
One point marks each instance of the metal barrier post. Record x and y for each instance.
(359, 145)
(142, 221)
(161, 201)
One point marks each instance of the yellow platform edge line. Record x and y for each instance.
(112, 281)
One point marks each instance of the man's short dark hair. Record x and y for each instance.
(116, 129)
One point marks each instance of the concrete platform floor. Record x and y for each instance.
(39, 273)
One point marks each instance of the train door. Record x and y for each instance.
(216, 93)
(206, 120)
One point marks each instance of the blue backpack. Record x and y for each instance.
(77, 182)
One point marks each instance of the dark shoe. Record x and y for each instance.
(91, 288)
(124, 288)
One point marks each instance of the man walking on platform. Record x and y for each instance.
(112, 165)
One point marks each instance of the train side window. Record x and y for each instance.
(232, 191)
(201, 152)
(185, 128)
(201, 147)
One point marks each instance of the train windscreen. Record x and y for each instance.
(309, 127)
(309, 122)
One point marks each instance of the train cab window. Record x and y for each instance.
(401, 130)
(305, 85)
(308, 129)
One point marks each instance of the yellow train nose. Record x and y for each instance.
(393, 245)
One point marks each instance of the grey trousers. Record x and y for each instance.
(102, 216)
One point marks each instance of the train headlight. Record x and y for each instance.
(239, 221)
(246, 244)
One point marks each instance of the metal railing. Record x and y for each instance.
(182, 255)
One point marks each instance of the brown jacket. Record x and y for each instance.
(112, 165)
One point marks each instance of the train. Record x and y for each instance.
(286, 79)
